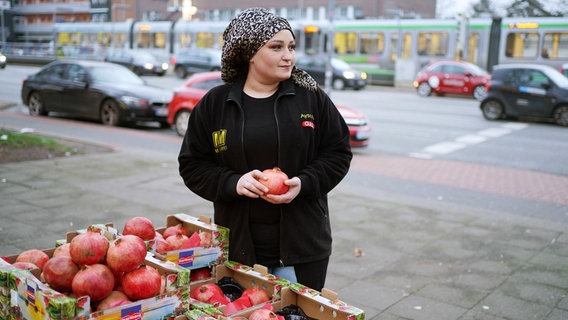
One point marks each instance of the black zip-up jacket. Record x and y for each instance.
(313, 144)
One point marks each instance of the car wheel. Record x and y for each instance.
(479, 93)
(492, 110)
(180, 72)
(424, 89)
(110, 115)
(338, 84)
(35, 105)
(561, 116)
(181, 122)
(137, 70)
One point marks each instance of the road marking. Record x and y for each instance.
(462, 142)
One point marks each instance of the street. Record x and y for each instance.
(423, 130)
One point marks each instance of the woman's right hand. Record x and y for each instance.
(249, 186)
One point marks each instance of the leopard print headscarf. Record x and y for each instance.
(245, 35)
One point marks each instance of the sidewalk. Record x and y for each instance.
(395, 257)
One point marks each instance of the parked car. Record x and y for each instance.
(103, 91)
(564, 69)
(526, 90)
(2, 61)
(193, 60)
(452, 77)
(140, 62)
(343, 74)
(188, 95)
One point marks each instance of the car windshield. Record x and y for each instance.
(340, 64)
(145, 55)
(476, 70)
(109, 74)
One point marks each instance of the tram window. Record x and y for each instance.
(160, 39)
(345, 42)
(522, 45)
(432, 44)
(400, 50)
(372, 43)
(393, 47)
(205, 40)
(555, 45)
(185, 40)
(143, 40)
(406, 45)
(473, 47)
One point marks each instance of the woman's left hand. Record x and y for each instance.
(294, 186)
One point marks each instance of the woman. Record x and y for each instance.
(268, 114)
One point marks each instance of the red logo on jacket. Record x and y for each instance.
(308, 123)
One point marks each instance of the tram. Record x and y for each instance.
(374, 46)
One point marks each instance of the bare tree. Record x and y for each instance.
(483, 8)
(530, 8)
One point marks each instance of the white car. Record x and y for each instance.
(2, 61)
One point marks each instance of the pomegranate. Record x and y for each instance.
(275, 181)
(206, 238)
(59, 272)
(35, 256)
(126, 253)
(177, 241)
(88, 248)
(95, 280)
(210, 293)
(239, 304)
(62, 250)
(140, 226)
(162, 245)
(173, 230)
(141, 283)
(200, 274)
(24, 265)
(193, 241)
(263, 314)
(114, 299)
(256, 295)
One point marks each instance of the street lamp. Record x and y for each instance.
(187, 10)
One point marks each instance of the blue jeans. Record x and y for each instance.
(287, 273)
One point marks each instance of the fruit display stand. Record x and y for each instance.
(201, 256)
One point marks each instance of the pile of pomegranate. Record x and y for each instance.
(213, 294)
(110, 272)
(177, 238)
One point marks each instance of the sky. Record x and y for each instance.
(451, 8)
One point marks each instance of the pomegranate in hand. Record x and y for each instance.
(275, 181)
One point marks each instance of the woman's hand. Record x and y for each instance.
(249, 186)
(294, 187)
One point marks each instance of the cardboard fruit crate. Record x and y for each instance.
(197, 257)
(247, 277)
(29, 298)
(324, 305)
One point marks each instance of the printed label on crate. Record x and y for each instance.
(131, 313)
(195, 258)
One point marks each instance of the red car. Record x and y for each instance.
(187, 96)
(452, 77)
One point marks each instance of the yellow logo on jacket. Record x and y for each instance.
(220, 140)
